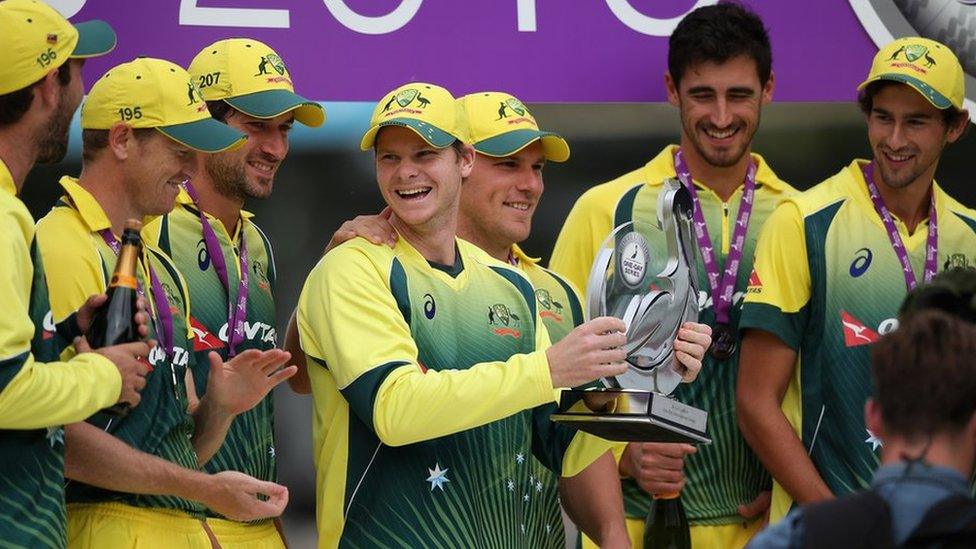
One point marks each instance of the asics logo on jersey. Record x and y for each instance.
(430, 308)
(203, 258)
(861, 263)
(48, 326)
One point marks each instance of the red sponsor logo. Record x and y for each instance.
(404, 110)
(278, 80)
(755, 284)
(912, 66)
(203, 340)
(519, 120)
(46, 335)
(423, 369)
(552, 315)
(856, 333)
(507, 332)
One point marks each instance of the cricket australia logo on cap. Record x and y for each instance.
(271, 62)
(513, 112)
(403, 99)
(193, 93)
(632, 256)
(912, 53)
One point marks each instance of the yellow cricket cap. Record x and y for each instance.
(501, 125)
(429, 110)
(926, 65)
(252, 78)
(35, 39)
(154, 93)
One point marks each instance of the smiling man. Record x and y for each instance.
(832, 266)
(430, 355)
(719, 77)
(225, 256)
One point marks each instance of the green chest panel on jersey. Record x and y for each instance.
(249, 445)
(32, 461)
(726, 474)
(556, 301)
(160, 424)
(857, 287)
(406, 496)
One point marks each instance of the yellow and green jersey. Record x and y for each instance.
(425, 378)
(725, 474)
(249, 445)
(79, 264)
(828, 283)
(38, 393)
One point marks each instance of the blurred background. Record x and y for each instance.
(326, 180)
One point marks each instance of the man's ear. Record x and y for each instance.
(120, 140)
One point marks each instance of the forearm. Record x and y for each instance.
(57, 393)
(593, 500)
(211, 424)
(411, 406)
(766, 429)
(300, 382)
(95, 457)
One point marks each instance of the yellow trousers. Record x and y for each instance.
(237, 535)
(120, 526)
(722, 536)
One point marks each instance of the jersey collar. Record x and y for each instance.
(522, 257)
(860, 193)
(184, 199)
(7, 180)
(84, 203)
(664, 162)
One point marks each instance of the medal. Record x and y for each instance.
(724, 342)
(721, 284)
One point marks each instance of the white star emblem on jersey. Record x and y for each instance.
(438, 477)
(538, 486)
(548, 528)
(511, 486)
(523, 528)
(520, 458)
(873, 440)
(525, 498)
(271, 451)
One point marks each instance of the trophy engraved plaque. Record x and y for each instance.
(644, 274)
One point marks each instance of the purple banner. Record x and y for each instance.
(540, 50)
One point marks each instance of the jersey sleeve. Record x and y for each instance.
(349, 320)
(35, 395)
(779, 288)
(73, 267)
(588, 224)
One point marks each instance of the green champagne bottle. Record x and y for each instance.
(114, 322)
(667, 525)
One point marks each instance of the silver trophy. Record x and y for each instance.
(645, 275)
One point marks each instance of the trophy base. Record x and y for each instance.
(637, 416)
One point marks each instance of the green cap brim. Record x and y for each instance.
(94, 38)
(509, 143)
(206, 135)
(433, 135)
(937, 99)
(272, 103)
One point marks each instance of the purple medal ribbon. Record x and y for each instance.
(931, 244)
(721, 288)
(164, 316)
(236, 313)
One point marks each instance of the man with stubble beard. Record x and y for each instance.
(719, 77)
(226, 259)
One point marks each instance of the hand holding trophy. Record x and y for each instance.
(653, 293)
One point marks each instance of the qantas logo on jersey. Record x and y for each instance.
(157, 355)
(254, 331)
(856, 333)
(203, 339)
(755, 285)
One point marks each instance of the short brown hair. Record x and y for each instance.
(925, 376)
(13, 105)
(93, 141)
(865, 100)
